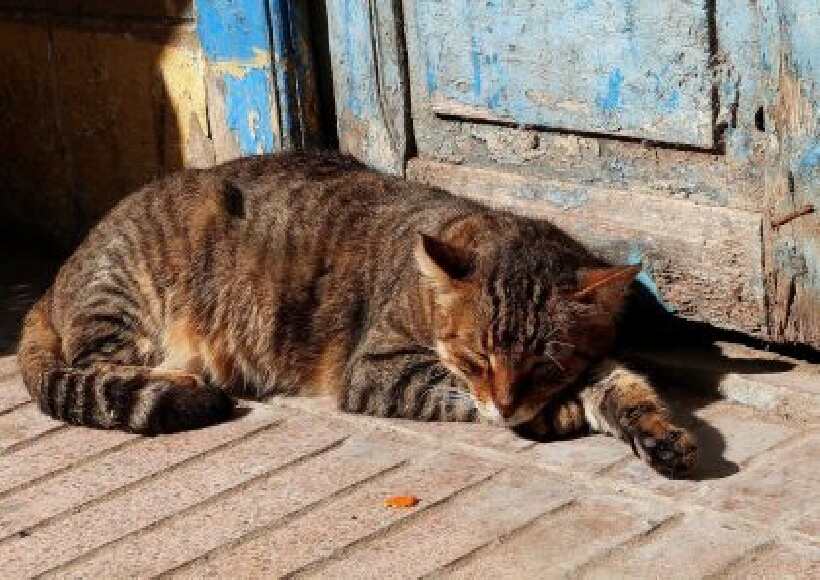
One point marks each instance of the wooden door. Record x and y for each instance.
(678, 135)
(260, 76)
(101, 97)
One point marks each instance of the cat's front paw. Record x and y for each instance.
(668, 449)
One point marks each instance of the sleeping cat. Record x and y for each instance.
(306, 273)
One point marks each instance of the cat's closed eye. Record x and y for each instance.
(471, 364)
(546, 371)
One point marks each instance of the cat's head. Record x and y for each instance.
(521, 322)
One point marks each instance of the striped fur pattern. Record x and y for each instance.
(306, 273)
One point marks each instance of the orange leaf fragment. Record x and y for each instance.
(401, 501)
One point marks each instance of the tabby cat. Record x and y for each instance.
(306, 273)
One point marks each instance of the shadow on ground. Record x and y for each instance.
(25, 275)
(692, 382)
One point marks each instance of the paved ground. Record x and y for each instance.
(292, 488)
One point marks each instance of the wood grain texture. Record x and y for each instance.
(242, 99)
(792, 162)
(292, 43)
(119, 120)
(638, 68)
(102, 97)
(703, 263)
(728, 173)
(156, 9)
(34, 167)
(366, 42)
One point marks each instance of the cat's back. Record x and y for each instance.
(294, 197)
(251, 187)
(312, 181)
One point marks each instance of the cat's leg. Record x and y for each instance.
(562, 417)
(405, 383)
(99, 372)
(622, 403)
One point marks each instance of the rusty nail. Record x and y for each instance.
(805, 210)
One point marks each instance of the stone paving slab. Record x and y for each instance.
(294, 488)
(222, 520)
(564, 539)
(694, 545)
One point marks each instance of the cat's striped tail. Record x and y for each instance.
(112, 396)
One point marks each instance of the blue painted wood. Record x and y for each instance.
(232, 29)
(260, 66)
(366, 42)
(236, 42)
(351, 43)
(638, 68)
(295, 73)
(677, 72)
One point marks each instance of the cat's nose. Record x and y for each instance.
(505, 406)
(506, 411)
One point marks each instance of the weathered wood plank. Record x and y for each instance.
(791, 86)
(119, 117)
(242, 102)
(36, 190)
(366, 42)
(182, 68)
(295, 73)
(638, 69)
(729, 174)
(262, 91)
(702, 262)
(181, 9)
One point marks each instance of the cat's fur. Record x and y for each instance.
(308, 273)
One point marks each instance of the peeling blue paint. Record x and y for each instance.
(665, 90)
(811, 157)
(233, 34)
(611, 100)
(286, 61)
(671, 102)
(232, 29)
(568, 199)
(358, 57)
(431, 56)
(812, 258)
(803, 17)
(635, 257)
(354, 104)
(430, 74)
(629, 18)
(572, 199)
(248, 110)
(475, 59)
(583, 64)
(738, 144)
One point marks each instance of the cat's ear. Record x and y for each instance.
(443, 263)
(606, 287)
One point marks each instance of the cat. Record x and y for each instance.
(307, 273)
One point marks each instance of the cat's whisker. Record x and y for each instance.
(555, 361)
(561, 343)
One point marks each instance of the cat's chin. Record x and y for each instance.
(490, 414)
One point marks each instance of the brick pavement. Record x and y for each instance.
(294, 488)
